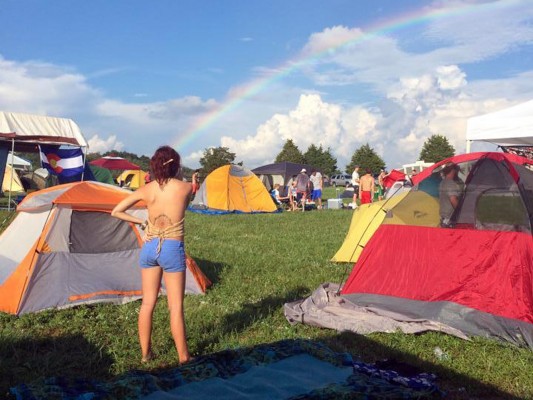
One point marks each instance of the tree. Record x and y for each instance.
(214, 158)
(366, 158)
(436, 148)
(290, 153)
(322, 159)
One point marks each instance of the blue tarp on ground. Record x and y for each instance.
(248, 371)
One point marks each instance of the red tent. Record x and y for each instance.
(115, 163)
(392, 177)
(477, 276)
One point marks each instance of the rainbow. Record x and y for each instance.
(254, 87)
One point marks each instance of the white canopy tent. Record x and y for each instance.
(39, 129)
(25, 132)
(17, 162)
(511, 126)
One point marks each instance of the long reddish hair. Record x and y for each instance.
(165, 164)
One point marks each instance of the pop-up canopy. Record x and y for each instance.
(25, 132)
(508, 127)
(115, 163)
(38, 129)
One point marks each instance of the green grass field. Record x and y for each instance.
(257, 263)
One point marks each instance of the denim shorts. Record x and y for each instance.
(171, 258)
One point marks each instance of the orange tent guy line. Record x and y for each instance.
(103, 293)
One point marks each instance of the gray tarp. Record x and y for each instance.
(366, 313)
(327, 309)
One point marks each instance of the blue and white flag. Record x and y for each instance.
(62, 162)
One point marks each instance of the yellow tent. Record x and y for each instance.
(133, 179)
(407, 208)
(7, 185)
(232, 189)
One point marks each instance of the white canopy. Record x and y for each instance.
(508, 127)
(17, 162)
(37, 129)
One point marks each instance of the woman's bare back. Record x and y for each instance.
(166, 203)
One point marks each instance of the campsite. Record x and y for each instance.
(460, 298)
(261, 200)
(256, 263)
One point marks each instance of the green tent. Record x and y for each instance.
(102, 175)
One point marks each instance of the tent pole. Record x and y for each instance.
(12, 170)
(83, 158)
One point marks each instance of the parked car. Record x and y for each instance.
(341, 180)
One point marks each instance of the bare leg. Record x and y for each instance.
(151, 282)
(355, 195)
(175, 284)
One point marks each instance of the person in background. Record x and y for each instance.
(381, 184)
(195, 180)
(366, 187)
(355, 184)
(449, 194)
(316, 195)
(293, 195)
(163, 252)
(277, 197)
(302, 183)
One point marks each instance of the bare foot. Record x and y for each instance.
(187, 360)
(147, 358)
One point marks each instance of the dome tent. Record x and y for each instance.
(232, 189)
(133, 179)
(64, 249)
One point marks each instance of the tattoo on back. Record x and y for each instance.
(162, 221)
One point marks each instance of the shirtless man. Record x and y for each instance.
(366, 187)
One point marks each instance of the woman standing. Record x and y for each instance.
(163, 253)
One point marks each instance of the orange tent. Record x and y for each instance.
(64, 249)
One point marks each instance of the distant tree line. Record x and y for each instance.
(142, 161)
(435, 148)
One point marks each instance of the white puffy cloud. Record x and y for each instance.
(436, 103)
(100, 145)
(416, 107)
(192, 158)
(330, 39)
(313, 121)
(42, 88)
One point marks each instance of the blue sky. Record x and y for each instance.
(249, 75)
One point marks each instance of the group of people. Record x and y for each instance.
(300, 189)
(365, 186)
